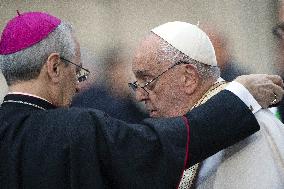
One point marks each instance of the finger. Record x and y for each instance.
(276, 79)
(279, 92)
(274, 105)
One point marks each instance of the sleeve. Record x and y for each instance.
(146, 155)
(153, 154)
(239, 90)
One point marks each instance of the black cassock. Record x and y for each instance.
(42, 147)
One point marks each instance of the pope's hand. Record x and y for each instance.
(266, 89)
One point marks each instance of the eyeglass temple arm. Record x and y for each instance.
(75, 64)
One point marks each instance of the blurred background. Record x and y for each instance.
(109, 30)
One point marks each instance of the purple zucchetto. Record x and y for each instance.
(26, 30)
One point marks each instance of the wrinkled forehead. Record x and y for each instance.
(147, 58)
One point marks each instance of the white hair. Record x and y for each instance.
(26, 64)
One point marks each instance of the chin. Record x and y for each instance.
(67, 104)
(68, 100)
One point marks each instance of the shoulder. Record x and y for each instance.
(68, 120)
(73, 113)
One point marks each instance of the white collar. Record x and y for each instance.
(28, 94)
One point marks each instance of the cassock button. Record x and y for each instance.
(251, 108)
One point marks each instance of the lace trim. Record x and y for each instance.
(190, 174)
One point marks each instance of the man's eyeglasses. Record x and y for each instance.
(82, 74)
(135, 85)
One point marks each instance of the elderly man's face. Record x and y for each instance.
(163, 96)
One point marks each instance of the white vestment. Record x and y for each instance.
(254, 163)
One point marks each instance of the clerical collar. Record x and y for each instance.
(219, 85)
(29, 100)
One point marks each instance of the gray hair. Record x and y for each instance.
(173, 55)
(26, 64)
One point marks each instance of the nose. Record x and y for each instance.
(141, 95)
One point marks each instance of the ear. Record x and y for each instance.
(53, 67)
(191, 79)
